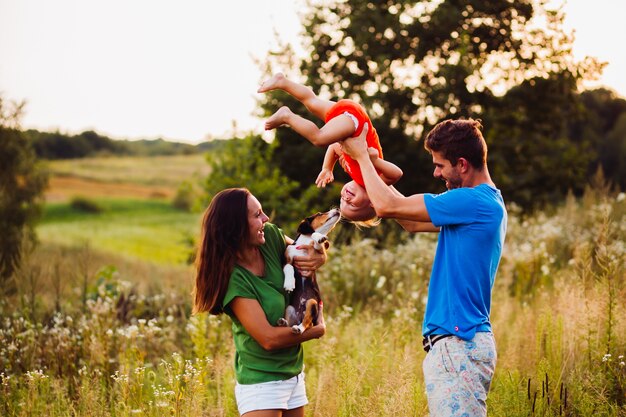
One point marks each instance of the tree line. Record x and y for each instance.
(57, 145)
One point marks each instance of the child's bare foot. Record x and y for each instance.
(278, 119)
(272, 84)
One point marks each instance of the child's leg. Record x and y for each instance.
(303, 94)
(337, 129)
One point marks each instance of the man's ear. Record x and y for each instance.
(463, 164)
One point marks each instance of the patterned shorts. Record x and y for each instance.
(458, 374)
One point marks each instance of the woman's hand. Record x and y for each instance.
(310, 262)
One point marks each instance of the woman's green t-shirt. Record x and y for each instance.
(253, 364)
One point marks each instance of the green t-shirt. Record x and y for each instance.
(253, 364)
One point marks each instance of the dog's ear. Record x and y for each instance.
(305, 228)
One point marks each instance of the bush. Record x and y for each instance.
(85, 205)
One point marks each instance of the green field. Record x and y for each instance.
(137, 219)
(150, 230)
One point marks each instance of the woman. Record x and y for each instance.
(239, 272)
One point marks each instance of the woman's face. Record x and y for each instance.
(256, 221)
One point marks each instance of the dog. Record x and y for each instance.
(303, 310)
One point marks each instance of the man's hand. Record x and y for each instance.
(357, 147)
(311, 262)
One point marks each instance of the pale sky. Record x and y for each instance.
(183, 70)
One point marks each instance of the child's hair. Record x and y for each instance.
(374, 221)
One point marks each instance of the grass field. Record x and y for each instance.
(135, 177)
(137, 218)
(82, 338)
(150, 230)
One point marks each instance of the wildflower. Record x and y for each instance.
(381, 281)
(606, 358)
(621, 197)
(35, 375)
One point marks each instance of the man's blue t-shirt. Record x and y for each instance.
(473, 226)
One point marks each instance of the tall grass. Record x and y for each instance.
(104, 344)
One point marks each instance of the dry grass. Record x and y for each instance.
(138, 177)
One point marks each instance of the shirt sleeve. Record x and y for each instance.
(238, 287)
(457, 206)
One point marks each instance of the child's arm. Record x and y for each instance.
(330, 158)
(389, 172)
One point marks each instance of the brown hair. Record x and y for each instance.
(459, 139)
(224, 231)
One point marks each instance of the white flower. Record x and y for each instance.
(381, 281)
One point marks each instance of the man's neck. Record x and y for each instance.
(476, 178)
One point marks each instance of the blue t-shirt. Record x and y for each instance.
(473, 226)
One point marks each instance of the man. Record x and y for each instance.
(471, 218)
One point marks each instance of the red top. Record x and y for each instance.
(355, 109)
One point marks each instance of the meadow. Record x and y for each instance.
(101, 323)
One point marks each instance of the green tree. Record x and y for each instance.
(247, 162)
(412, 64)
(22, 183)
(604, 124)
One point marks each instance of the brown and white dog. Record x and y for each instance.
(303, 310)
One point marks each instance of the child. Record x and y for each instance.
(343, 119)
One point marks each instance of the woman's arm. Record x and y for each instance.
(253, 319)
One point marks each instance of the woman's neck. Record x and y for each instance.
(251, 258)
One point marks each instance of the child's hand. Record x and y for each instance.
(373, 153)
(325, 177)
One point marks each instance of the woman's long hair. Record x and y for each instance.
(224, 231)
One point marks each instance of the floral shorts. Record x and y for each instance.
(458, 374)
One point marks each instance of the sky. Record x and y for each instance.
(185, 70)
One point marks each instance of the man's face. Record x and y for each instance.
(446, 172)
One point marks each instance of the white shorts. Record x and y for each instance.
(273, 395)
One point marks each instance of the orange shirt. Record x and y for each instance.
(356, 110)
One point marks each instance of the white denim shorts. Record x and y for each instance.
(273, 395)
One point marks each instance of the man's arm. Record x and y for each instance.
(414, 226)
(385, 201)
